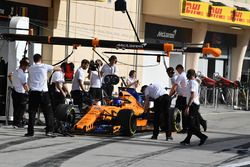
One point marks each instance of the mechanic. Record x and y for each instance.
(20, 92)
(162, 102)
(95, 78)
(78, 91)
(172, 75)
(58, 89)
(191, 110)
(131, 81)
(109, 69)
(180, 103)
(180, 87)
(39, 96)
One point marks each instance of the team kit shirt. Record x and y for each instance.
(155, 91)
(19, 79)
(106, 69)
(181, 82)
(58, 76)
(173, 79)
(193, 86)
(79, 75)
(95, 80)
(131, 80)
(38, 77)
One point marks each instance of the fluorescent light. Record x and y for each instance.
(236, 28)
(188, 20)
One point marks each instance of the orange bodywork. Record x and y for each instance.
(107, 112)
(216, 52)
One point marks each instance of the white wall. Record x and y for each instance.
(16, 48)
(156, 74)
(203, 66)
(175, 59)
(219, 66)
(15, 53)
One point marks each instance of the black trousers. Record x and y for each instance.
(19, 105)
(162, 105)
(77, 98)
(108, 88)
(181, 103)
(56, 99)
(40, 99)
(95, 93)
(193, 123)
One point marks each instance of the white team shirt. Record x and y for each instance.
(181, 82)
(154, 91)
(79, 75)
(19, 79)
(58, 76)
(38, 76)
(193, 86)
(173, 79)
(130, 81)
(95, 80)
(106, 69)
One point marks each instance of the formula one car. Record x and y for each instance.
(122, 115)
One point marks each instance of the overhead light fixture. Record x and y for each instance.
(241, 8)
(215, 3)
(120, 5)
(188, 20)
(236, 28)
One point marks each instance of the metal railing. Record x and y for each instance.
(226, 92)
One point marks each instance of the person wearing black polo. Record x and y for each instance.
(162, 102)
(39, 96)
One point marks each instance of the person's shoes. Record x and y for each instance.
(50, 134)
(154, 137)
(25, 126)
(15, 127)
(29, 135)
(204, 125)
(185, 142)
(169, 138)
(182, 131)
(202, 141)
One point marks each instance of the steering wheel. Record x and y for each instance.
(111, 79)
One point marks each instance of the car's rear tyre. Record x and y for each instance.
(128, 122)
(65, 119)
(176, 120)
(65, 112)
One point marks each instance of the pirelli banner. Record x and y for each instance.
(205, 10)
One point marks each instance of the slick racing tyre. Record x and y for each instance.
(65, 112)
(128, 122)
(65, 119)
(176, 120)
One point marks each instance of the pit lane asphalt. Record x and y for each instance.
(228, 144)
